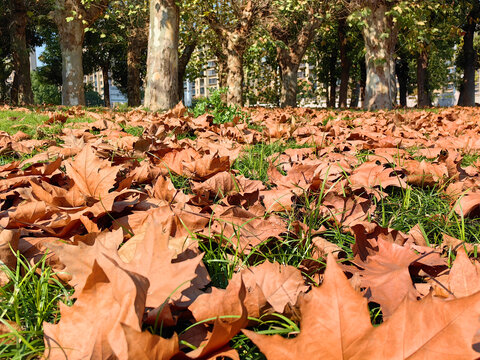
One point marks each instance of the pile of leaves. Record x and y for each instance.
(176, 247)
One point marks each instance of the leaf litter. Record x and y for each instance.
(172, 251)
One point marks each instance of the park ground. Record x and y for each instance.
(205, 206)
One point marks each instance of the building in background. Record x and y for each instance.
(96, 80)
(33, 65)
(202, 86)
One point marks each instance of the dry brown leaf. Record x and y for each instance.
(387, 278)
(464, 277)
(93, 176)
(146, 346)
(8, 253)
(92, 327)
(336, 324)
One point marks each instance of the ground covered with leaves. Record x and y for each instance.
(282, 234)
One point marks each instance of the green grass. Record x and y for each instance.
(255, 160)
(133, 130)
(33, 124)
(469, 159)
(431, 209)
(28, 300)
(13, 121)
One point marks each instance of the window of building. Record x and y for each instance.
(212, 81)
(211, 64)
(202, 91)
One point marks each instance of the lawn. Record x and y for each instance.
(174, 230)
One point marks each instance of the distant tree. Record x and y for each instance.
(427, 32)
(20, 52)
(51, 57)
(292, 25)
(44, 92)
(5, 53)
(324, 53)
(378, 21)
(72, 17)
(102, 45)
(469, 58)
(233, 23)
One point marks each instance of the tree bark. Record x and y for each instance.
(289, 77)
(363, 80)
(20, 52)
(134, 54)
(423, 91)
(162, 60)
(106, 86)
(72, 18)
(467, 94)
(345, 64)
(71, 43)
(380, 35)
(235, 51)
(355, 95)
(401, 68)
(183, 61)
(332, 83)
(14, 90)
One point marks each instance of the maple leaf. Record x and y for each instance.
(8, 248)
(93, 176)
(146, 346)
(336, 325)
(269, 286)
(386, 276)
(464, 276)
(168, 279)
(92, 327)
(79, 259)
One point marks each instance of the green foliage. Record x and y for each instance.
(92, 98)
(45, 92)
(215, 106)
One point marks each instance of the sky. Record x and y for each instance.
(39, 50)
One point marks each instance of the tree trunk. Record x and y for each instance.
(162, 60)
(72, 18)
(467, 95)
(332, 83)
(401, 68)
(106, 86)
(134, 54)
(355, 95)
(289, 79)
(235, 51)
(345, 64)
(14, 90)
(20, 52)
(363, 80)
(182, 66)
(71, 43)
(423, 91)
(380, 92)
(222, 72)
